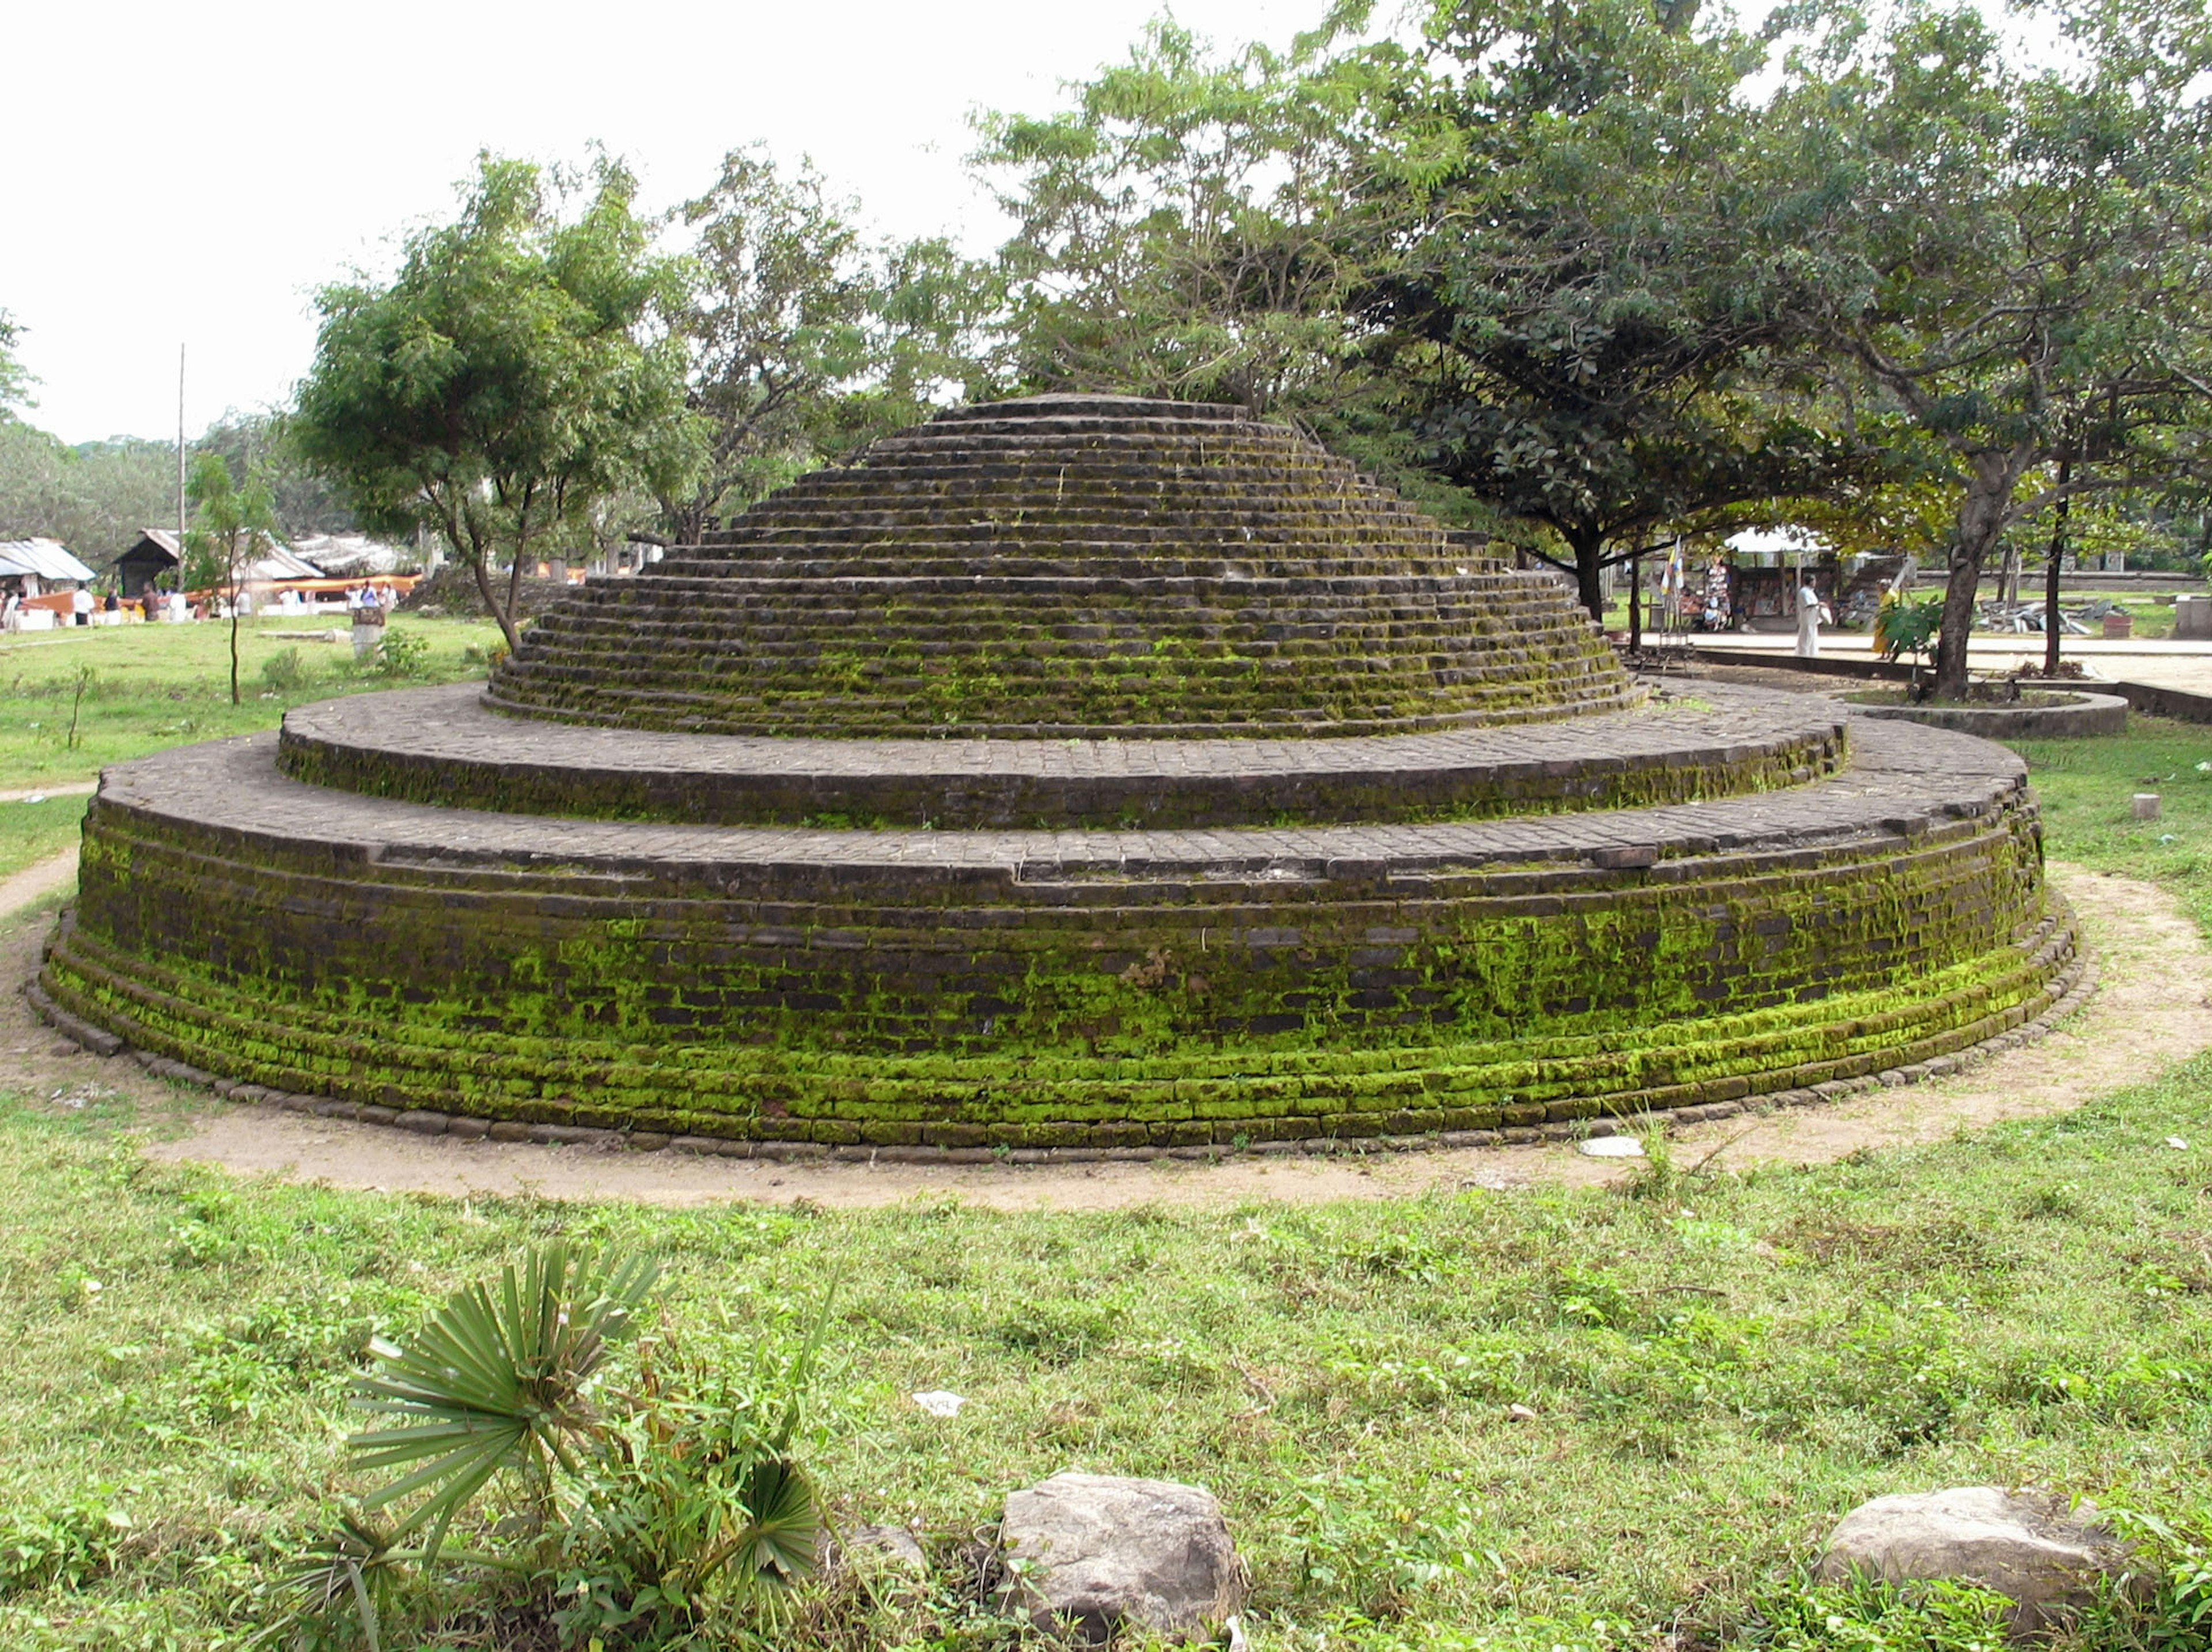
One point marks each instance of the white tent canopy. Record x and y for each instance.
(1783, 545)
(45, 557)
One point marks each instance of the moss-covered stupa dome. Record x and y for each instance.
(1074, 774)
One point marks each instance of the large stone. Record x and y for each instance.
(1093, 1551)
(2029, 1548)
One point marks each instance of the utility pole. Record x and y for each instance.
(180, 451)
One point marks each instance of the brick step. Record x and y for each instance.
(909, 704)
(1072, 643)
(1021, 571)
(1113, 536)
(859, 633)
(1277, 536)
(757, 580)
(737, 605)
(970, 575)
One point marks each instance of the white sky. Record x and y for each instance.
(189, 174)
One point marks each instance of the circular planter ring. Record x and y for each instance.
(2086, 714)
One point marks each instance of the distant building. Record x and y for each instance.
(354, 556)
(157, 553)
(33, 566)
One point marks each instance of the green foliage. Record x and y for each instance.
(95, 498)
(517, 373)
(284, 671)
(1901, 626)
(402, 653)
(652, 1515)
(1573, 320)
(15, 380)
(1810, 1616)
(804, 341)
(66, 1546)
(1181, 228)
(495, 1381)
(2007, 254)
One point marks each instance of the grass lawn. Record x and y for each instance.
(1713, 1366)
(2087, 787)
(72, 702)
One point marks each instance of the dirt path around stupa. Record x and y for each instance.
(2153, 1007)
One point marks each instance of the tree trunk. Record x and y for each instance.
(234, 645)
(1981, 519)
(1590, 551)
(2050, 576)
(1635, 605)
(503, 612)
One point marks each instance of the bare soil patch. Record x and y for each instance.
(2153, 1008)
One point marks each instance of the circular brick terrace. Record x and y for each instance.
(1061, 989)
(442, 745)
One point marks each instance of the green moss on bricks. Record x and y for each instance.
(896, 1003)
(1153, 803)
(1067, 1101)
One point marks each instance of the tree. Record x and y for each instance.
(517, 369)
(2014, 259)
(1183, 227)
(15, 380)
(1569, 315)
(305, 503)
(95, 498)
(805, 341)
(232, 528)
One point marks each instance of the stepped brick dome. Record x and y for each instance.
(1071, 567)
(1075, 776)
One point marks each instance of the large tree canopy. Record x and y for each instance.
(519, 369)
(1183, 228)
(2019, 261)
(806, 339)
(1569, 315)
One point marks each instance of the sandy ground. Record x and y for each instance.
(2153, 1008)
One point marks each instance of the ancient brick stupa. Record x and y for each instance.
(1074, 774)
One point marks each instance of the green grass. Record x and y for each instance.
(2087, 787)
(33, 831)
(1717, 1365)
(145, 687)
(1715, 1374)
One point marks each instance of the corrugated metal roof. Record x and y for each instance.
(45, 557)
(281, 564)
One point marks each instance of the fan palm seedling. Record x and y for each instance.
(615, 1513)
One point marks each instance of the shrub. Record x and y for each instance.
(402, 653)
(670, 1509)
(284, 672)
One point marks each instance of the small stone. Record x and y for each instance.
(1095, 1553)
(2027, 1548)
(893, 1546)
(1521, 1413)
(1612, 1147)
(2177, 1144)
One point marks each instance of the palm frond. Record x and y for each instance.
(495, 1378)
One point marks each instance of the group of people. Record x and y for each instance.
(368, 596)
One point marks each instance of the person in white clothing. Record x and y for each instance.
(81, 605)
(1811, 611)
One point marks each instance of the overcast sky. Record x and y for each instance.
(189, 174)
